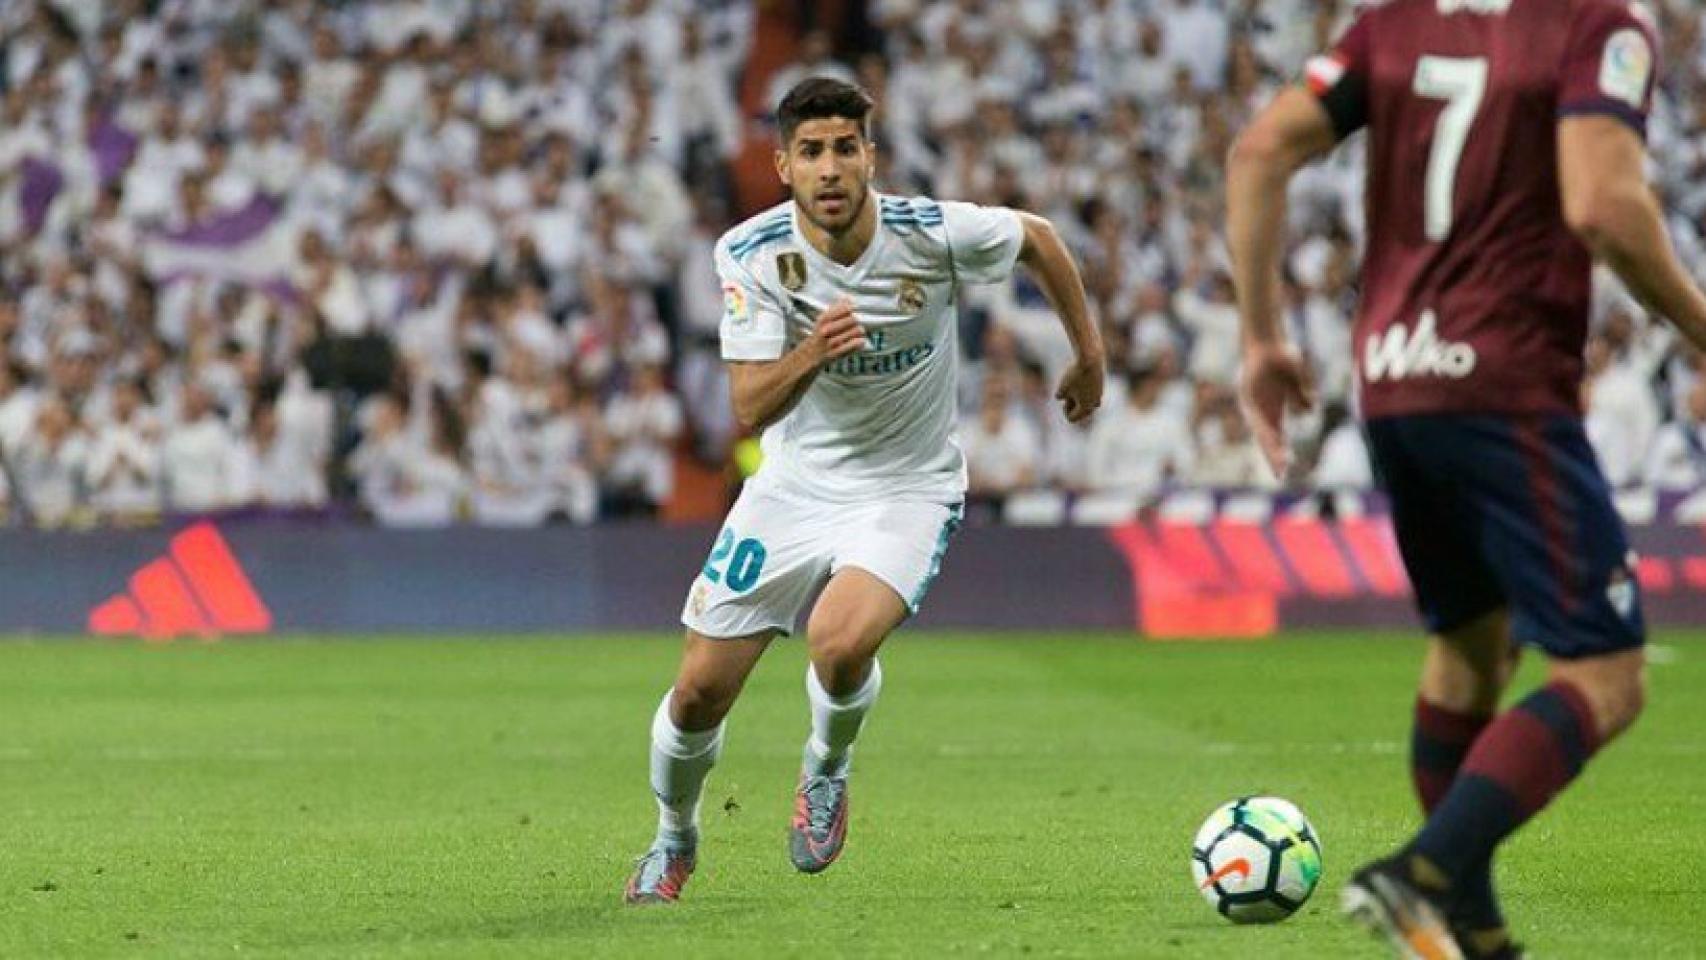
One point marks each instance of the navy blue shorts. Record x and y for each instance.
(1510, 511)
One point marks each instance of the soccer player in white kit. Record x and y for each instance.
(841, 337)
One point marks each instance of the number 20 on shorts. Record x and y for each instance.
(739, 562)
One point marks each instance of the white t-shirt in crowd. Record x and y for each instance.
(197, 461)
(1003, 458)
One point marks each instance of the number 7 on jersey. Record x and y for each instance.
(1461, 83)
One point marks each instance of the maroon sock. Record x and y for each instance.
(1518, 764)
(1438, 745)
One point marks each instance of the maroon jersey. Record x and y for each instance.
(1475, 292)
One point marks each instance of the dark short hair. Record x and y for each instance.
(823, 98)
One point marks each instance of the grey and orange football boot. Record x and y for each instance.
(819, 828)
(660, 874)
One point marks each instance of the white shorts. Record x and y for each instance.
(776, 549)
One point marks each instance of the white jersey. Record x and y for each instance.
(879, 423)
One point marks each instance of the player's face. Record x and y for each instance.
(828, 167)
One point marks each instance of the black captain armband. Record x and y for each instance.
(1342, 93)
(1347, 105)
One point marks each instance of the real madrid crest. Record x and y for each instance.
(791, 268)
(912, 298)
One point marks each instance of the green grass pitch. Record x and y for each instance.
(1014, 795)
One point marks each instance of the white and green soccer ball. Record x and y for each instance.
(1256, 859)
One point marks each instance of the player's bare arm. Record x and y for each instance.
(764, 392)
(1045, 254)
(1291, 132)
(1609, 205)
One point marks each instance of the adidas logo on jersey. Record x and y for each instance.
(1401, 353)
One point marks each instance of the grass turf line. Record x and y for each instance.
(1015, 795)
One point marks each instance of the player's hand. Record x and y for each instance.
(837, 332)
(1080, 391)
(1274, 379)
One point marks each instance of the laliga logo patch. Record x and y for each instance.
(1626, 67)
(735, 311)
(912, 298)
(791, 269)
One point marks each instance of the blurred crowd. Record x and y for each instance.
(440, 260)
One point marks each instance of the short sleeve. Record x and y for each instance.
(1339, 79)
(1609, 66)
(753, 328)
(984, 241)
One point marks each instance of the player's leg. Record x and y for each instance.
(765, 563)
(1614, 686)
(1530, 754)
(687, 739)
(687, 730)
(854, 615)
(1470, 656)
(1558, 546)
(1520, 763)
(1464, 674)
(892, 553)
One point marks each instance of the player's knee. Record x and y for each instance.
(840, 653)
(841, 664)
(1629, 699)
(1617, 693)
(699, 704)
(1617, 707)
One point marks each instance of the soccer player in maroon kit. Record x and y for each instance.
(1506, 141)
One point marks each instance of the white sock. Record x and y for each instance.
(680, 761)
(836, 722)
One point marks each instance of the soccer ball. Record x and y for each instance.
(1256, 859)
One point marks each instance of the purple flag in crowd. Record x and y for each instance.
(252, 245)
(39, 183)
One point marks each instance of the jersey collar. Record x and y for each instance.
(857, 267)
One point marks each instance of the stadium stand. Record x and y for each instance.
(440, 261)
